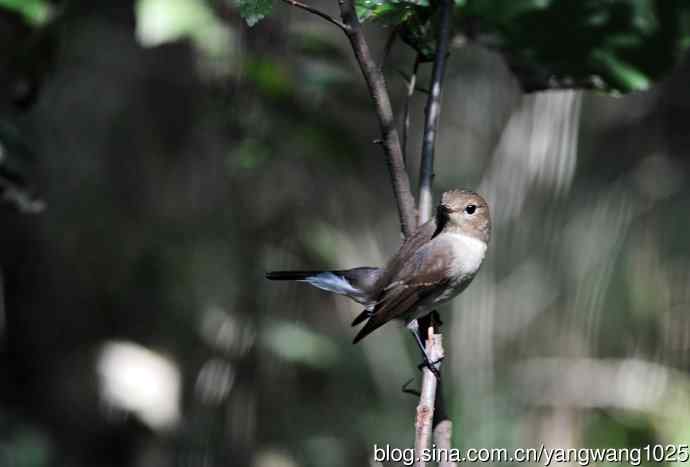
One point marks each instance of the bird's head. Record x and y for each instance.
(463, 211)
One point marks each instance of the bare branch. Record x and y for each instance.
(427, 399)
(390, 41)
(317, 12)
(432, 112)
(379, 93)
(411, 87)
(407, 78)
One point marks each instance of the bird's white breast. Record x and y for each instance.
(468, 253)
(466, 256)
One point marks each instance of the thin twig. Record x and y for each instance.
(379, 93)
(317, 12)
(411, 86)
(390, 41)
(427, 399)
(432, 112)
(407, 78)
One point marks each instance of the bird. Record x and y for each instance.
(433, 265)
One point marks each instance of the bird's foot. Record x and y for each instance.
(435, 318)
(431, 365)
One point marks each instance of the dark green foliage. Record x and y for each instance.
(34, 11)
(411, 18)
(254, 11)
(392, 12)
(614, 46)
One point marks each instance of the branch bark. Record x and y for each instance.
(427, 398)
(379, 93)
(432, 112)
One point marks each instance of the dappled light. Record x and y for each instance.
(137, 380)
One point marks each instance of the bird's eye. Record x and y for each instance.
(470, 208)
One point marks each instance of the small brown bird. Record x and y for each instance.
(433, 265)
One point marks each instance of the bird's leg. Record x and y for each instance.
(435, 318)
(413, 326)
(432, 319)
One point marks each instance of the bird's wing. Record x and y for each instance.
(421, 275)
(420, 237)
(410, 246)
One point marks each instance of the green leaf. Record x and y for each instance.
(418, 32)
(254, 11)
(615, 46)
(623, 76)
(36, 12)
(389, 12)
(412, 17)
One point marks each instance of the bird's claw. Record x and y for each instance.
(431, 366)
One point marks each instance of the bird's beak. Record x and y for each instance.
(442, 218)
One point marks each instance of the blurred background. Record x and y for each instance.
(158, 156)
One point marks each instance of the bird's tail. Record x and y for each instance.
(292, 275)
(355, 283)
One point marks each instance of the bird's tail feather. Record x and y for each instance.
(330, 281)
(366, 313)
(291, 275)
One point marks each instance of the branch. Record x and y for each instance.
(431, 386)
(432, 112)
(427, 399)
(390, 41)
(317, 12)
(407, 77)
(411, 87)
(391, 141)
